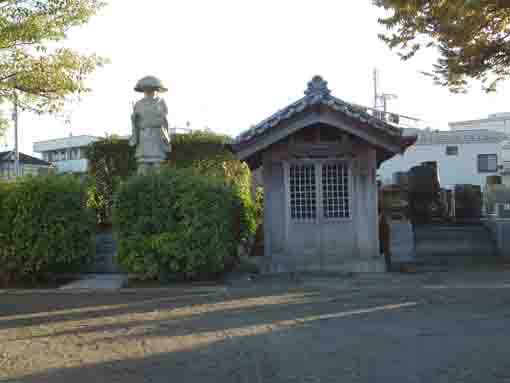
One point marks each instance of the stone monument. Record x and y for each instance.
(150, 133)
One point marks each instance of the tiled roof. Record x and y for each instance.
(23, 159)
(317, 93)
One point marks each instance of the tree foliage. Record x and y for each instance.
(472, 36)
(38, 77)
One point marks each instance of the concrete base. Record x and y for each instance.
(368, 265)
(375, 265)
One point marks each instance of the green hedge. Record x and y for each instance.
(44, 227)
(175, 223)
(110, 161)
(205, 153)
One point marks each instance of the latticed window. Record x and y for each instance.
(303, 192)
(319, 187)
(335, 190)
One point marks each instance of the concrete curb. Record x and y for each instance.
(57, 291)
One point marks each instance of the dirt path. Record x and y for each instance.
(319, 330)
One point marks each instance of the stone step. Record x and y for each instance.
(98, 282)
(105, 252)
(452, 243)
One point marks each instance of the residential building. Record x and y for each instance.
(498, 122)
(505, 163)
(28, 165)
(463, 156)
(67, 154)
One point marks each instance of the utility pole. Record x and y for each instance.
(376, 86)
(383, 97)
(16, 143)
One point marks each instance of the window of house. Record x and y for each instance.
(335, 191)
(303, 192)
(319, 188)
(452, 150)
(487, 163)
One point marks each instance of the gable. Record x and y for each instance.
(318, 107)
(321, 117)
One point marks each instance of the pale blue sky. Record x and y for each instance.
(230, 64)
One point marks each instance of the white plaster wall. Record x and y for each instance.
(71, 166)
(453, 170)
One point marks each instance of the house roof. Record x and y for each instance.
(8, 156)
(317, 93)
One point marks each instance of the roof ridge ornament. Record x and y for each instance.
(317, 87)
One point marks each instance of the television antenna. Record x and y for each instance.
(381, 99)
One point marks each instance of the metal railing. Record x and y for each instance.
(396, 119)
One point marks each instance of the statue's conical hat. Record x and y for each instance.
(150, 83)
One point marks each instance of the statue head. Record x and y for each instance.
(149, 85)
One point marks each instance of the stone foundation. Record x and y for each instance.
(370, 265)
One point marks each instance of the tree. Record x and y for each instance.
(39, 77)
(472, 36)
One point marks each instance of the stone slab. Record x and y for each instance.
(500, 231)
(402, 242)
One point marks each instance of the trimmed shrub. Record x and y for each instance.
(205, 153)
(111, 160)
(45, 227)
(174, 223)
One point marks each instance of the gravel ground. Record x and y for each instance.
(434, 327)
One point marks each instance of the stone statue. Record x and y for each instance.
(149, 121)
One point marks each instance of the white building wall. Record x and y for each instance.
(499, 122)
(71, 166)
(453, 170)
(66, 154)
